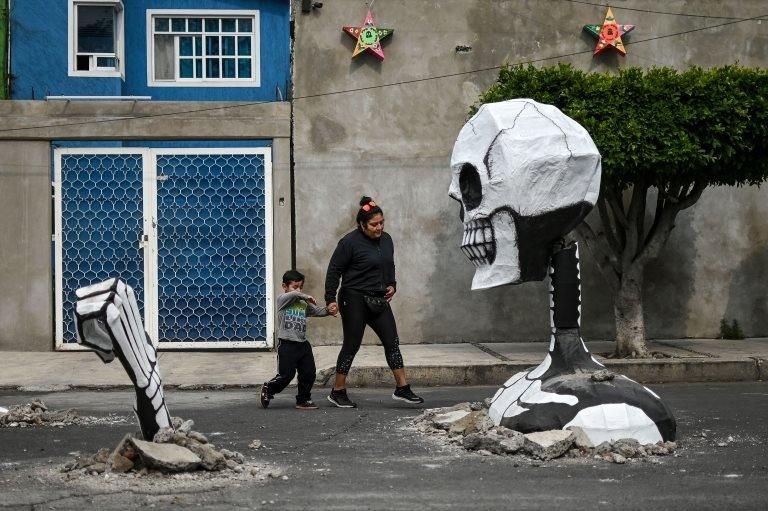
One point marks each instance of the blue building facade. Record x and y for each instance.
(183, 212)
(170, 50)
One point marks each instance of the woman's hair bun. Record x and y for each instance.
(365, 200)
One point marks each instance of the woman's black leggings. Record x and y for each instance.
(355, 315)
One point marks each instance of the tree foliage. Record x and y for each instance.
(673, 131)
(659, 126)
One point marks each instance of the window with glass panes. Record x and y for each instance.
(95, 36)
(204, 48)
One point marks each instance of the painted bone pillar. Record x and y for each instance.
(564, 391)
(108, 321)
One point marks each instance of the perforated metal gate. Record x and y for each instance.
(189, 229)
(101, 215)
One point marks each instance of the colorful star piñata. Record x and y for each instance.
(609, 34)
(369, 37)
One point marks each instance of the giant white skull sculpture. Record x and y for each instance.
(525, 174)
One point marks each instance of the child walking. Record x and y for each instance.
(294, 353)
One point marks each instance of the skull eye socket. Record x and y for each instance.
(471, 187)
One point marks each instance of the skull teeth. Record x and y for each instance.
(478, 242)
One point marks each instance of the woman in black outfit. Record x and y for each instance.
(364, 260)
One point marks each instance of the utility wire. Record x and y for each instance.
(621, 7)
(741, 20)
(373, 87)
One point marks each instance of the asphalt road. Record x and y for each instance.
(364, 459)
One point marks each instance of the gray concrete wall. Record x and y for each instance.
(26, 280)
(134, 120)
(26, 129)
(394, 143)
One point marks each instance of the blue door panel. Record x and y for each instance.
(212, 280)
(101, 225)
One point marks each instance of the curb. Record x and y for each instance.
(642, 371)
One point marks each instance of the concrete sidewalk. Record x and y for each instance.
(680, 360)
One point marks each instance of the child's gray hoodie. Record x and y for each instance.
(292, 312)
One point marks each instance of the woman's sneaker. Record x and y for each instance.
(306, 405)
(265, 397)
(406, 394)
(339, 398)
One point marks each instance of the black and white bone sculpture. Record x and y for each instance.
(108, 321)
(562, 392)
(526, 174)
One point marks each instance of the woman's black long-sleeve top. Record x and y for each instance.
(363, 264)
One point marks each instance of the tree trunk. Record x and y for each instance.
(628, 312)
(623, 246)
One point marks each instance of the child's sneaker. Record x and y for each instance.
(306, 405)
(406, 394)
(339, 398)
(265, 396)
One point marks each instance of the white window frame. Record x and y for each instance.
(254, 81)
(119, 40)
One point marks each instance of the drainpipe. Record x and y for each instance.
(4, 33)
(289, 93)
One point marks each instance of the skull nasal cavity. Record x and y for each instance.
(471, 188)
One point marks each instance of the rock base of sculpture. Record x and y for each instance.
(468, 425)
(173, 450)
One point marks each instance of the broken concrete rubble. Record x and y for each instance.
(234, 456)
(197, 437)
(171, 451)
(468, 423)
(580, 438)
(495, 441)
(446, 420)
(618, 458)
(547, 445)
(36, 413)
(164, 435)
(164, 457)
(627, 447)
(210, 458)
(603, 448)
(469, 426)
(120, 464)
(186, 426)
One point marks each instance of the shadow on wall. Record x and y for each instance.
(504, 314)
(670, 280)
(597, 322)
(748, 296)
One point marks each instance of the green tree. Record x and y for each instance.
(664, 136)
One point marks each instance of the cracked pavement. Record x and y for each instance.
(366, 459)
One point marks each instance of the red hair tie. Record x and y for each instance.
(369, 206)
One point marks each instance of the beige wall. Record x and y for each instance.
(26, 273)
(26, 285)
(394, 143)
